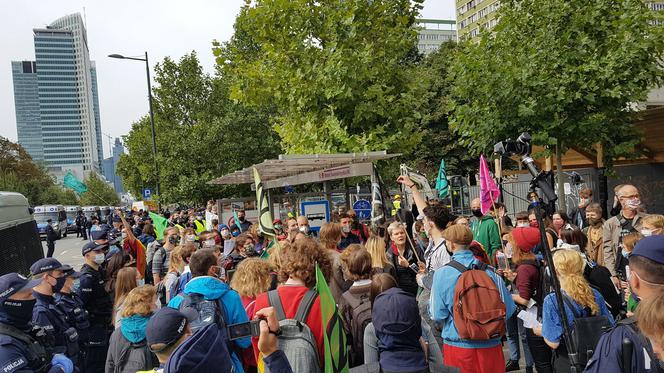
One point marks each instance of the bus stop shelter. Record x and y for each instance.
(296, 169)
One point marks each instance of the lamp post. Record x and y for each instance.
(154, 140)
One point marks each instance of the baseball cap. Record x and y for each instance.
(11, 283)
(168, 325)
(69, 271)
(45, 265)
(91, 246)
(650, 247)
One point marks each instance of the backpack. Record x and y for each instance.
(478, 308)
(586, 330)
(149, 279)
(360, 317)
(209, 311)
(296, 339)
(177, 287)
(543, 285)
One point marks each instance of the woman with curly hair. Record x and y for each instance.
(298, 277)
(580, 301)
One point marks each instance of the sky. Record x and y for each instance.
(160, 27)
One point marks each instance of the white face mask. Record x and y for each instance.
(345, 229)
(140, 282)
(99, 258)
(633, 203)
(304, 229)
(208, 243)
(646, 232)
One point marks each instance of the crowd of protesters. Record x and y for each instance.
(444, 293)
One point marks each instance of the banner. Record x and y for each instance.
(336, 357)
(264, 215)
(377, 205)
(489, 191)
(70, 181)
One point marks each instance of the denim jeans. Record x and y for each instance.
(516, 331)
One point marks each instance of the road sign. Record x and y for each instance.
(317, 212)
(362, 209)
(147, 194)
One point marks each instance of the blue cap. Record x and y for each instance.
(202, 352)
(168, 325)
(11, 283)
(45, 265)
(223, 226)
(90, 246)
(650, 247)
(69, 271)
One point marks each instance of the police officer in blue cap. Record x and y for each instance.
(97, 301)
(20, 349)
(62, 339)
(624, 348)
(70, 307)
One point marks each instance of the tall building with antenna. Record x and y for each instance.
(56, 99)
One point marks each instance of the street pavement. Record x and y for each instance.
(68, 250)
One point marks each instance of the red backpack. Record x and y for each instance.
(479, 310)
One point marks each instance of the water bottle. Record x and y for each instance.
(501, 261)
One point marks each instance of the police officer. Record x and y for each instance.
(61, 338)
(51, 236)
(98, 304)
(20, 349)
(70, 307)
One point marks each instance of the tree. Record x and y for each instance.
(99, 192)
(567, 71)
(200, 132)
(340, 74)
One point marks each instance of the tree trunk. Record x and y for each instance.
(561, 182)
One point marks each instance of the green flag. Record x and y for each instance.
(237, 220)
(336, 357)
(160, 224)
(441, 181)
(264, 215)
(71, 182)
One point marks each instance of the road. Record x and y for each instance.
(68, 250)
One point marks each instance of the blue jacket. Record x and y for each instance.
(552, 326)
(442, 299)
(45, 316)
(213, 289)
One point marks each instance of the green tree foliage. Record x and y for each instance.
(341, 75)
(19, 173)
(99, 192)
(567, 71)
(201, 134)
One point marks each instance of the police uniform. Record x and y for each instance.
(20, 348)
(70, 308)
(100, 308)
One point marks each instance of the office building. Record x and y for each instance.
(473, 16)
(109, 166)
(431, 33)
(68, 123)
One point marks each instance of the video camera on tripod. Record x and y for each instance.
(522, 147)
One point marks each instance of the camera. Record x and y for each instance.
(520, 146)
(245, 329)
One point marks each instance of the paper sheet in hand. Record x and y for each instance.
(529, 318)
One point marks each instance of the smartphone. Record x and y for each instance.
(245, 329)
(415, 268)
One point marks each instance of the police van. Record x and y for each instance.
(58, 217)
(72, 213)
(91, 210)
(19, 242)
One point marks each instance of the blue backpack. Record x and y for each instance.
(177, 287)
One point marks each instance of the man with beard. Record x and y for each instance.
(594, 233)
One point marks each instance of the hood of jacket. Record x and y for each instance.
(133, 327)
(209, 287)
(205, 351)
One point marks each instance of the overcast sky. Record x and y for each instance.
(162, 27)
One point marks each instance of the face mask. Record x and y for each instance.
(304, 229)
(625, 254)
(190, 238)
(140, 282)
(235, 234)
(173, 240)
(208, 243)
(241, 218)
(633, 203)
(522, 225)
(423, 234)
(250, 250)
(477, 213)
(99, 258)
(345, 229)
(646, 232)
(19, 311)
(534, 224)
(59, 284)
(124, 235)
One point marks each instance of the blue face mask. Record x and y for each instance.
(140, 282)
(235, 234)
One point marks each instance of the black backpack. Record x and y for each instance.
(358, 318)
(586, 330)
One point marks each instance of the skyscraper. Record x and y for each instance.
(68, 123)
(431, 33)
(109, 166)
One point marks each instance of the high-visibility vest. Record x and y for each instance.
(200, 227)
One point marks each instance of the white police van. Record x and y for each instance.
(72, 213)
(19, 241)
(58, 217)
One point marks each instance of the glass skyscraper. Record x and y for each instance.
(65, 121)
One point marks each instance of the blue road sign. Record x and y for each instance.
(317, 212)
(362, 209)
(147, 194)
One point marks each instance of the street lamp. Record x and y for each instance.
(154, 141)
